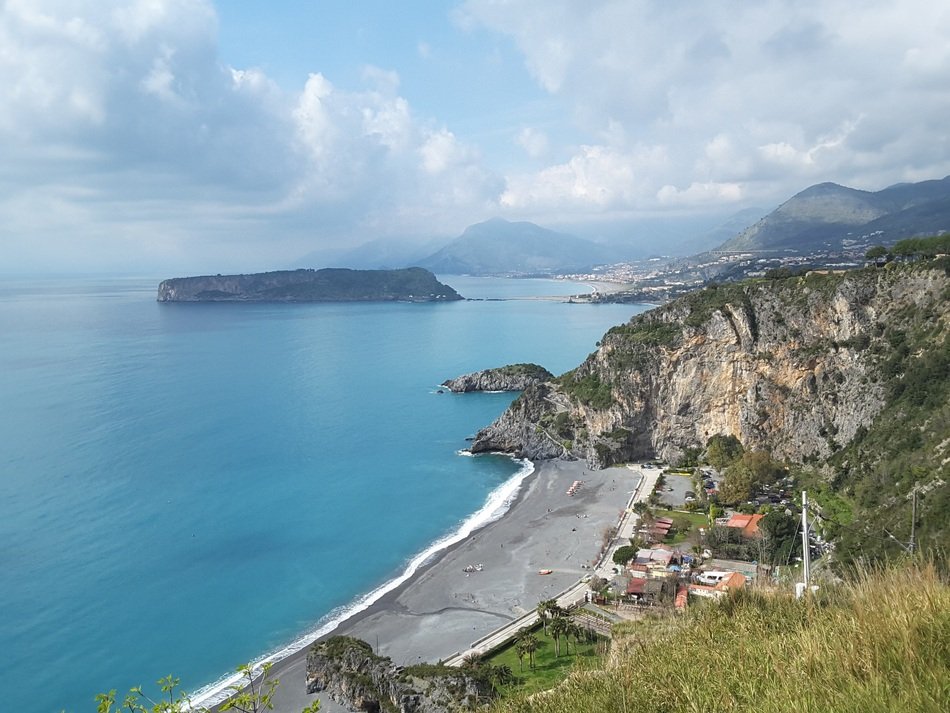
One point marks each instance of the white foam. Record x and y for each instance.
(496, 505)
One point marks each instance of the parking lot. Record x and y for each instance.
(674, 492)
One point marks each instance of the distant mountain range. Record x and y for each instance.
(832, 217)
(498, 246)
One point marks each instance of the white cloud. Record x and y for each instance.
(768, 96)
(119, 121)
(440, 151)
(534, 142)
(122, 129)
(313, 116)
(700, 193)
(594, 179)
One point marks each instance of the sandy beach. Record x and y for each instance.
(444, 609)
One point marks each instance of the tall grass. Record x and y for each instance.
(878, 643)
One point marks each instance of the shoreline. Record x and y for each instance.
(498, 503)
(439, 610)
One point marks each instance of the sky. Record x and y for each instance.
(181, 136)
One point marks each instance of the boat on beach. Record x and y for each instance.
(545, 571)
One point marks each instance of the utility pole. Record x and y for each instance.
(913, 520)
(912, 542)
(806, 556)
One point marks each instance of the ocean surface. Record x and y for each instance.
(186, 487)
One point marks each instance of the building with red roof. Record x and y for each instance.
(747, 524)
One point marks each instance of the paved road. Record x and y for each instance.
(630, 521)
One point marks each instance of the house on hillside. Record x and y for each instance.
(640, 571)
(729, 581)
(750, 570)
(657, 561)
(651, 591)
(748, 525)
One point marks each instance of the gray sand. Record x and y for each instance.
(443, 609)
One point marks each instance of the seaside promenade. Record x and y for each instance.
(577, 593)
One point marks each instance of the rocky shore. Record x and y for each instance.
(347, 671)
(514, 377)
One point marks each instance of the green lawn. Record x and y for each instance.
(696, 520)
(548, 670)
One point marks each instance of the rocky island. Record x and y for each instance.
(514, 377)
(413, 284)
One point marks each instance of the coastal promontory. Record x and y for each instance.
(413, 284)
(841, 375)
(514, 377)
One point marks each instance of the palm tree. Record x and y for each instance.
(500, 676)
(546, 608)
(521, 648)
(578, 632)
(471, 661)
(530, 646)
(558, 629)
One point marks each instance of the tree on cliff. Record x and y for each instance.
(723, 450)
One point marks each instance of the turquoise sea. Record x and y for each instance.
(185, 487)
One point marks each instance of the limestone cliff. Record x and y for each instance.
(514, 377)
(348, 671)
(791, 365)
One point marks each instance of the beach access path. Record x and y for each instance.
(443, 610)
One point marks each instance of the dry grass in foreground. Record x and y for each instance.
(878, 643)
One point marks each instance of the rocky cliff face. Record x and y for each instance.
(790, 365)
(515, 377)
(348, 671)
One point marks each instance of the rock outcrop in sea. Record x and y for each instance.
(348, 672)
(413, 284)
(514, 377)
(793, 365)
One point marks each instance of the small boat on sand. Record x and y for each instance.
(545, 571)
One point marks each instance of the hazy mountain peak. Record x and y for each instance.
(826, 214)
(498, 246)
